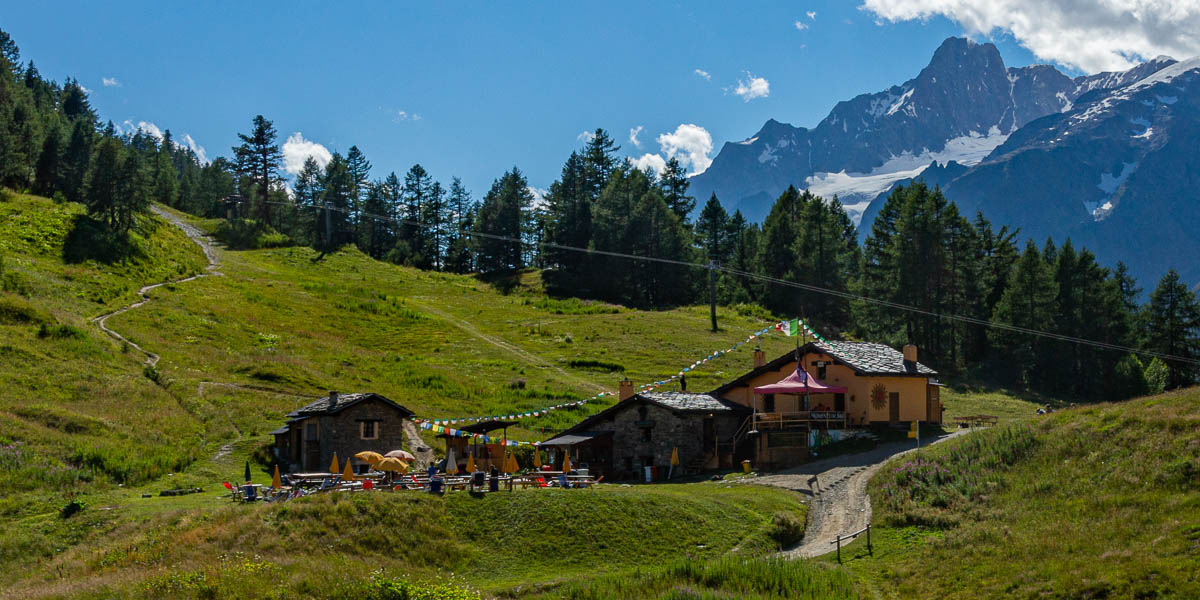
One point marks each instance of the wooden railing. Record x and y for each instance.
(781, 420)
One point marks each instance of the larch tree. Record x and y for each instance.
(259, 158)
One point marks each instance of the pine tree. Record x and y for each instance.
(337, 183)
(1027, 302)
(569, 204)
(460, 215)
(48, 174)
(133, 196)
(166, 178)
(259, 158)
(712, 231)
(360, 173)
(674, 184)
(307, 192)
(1173, 327)
(501, 214)
(599, 156)
(103, 183)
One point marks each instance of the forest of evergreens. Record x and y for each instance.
(920, 253)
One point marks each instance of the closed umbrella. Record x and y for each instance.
(451, 463)
(510, 463)
(537, 458)
(471, 463)
(674, 461)
(276, 481)
(369, 457)
(247, 471)
(566, 461)
(402, 455)
(333, 465)
(348, 473)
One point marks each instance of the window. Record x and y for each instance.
(769, 403)
(643, 412)
(821, 372)
(368, 430)
(647, 434)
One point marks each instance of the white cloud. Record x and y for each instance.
(539, 196)
(146, 127)
(801, 25)
(110, 82)
(403, 115)
(196, 149)
(586, 136)
(812, 15)
(297, 149)
(653, 162)
(752, 87)
(704, 74)
(633, 133)
(689, 143)
(1093, 36)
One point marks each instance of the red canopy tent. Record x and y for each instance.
(799, 382)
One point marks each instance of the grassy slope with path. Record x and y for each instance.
(1100, 501)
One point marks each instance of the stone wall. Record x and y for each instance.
(668, 430)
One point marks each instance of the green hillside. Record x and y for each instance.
(1091, 502)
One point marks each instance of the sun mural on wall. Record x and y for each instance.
(878, 396)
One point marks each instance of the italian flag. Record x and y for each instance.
(789, 328)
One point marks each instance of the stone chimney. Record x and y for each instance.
(333, 397)
(910, 353)
(625, 390)
(760, 358)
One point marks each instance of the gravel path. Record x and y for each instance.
(209, 252)
(838, 490)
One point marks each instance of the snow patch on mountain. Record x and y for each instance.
(900, 103)
(856, 190)
(1109, 184)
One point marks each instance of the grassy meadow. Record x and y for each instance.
(1094, 501)
(1099, 501)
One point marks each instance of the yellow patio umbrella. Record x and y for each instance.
(276, 481)
(394, 465)
(471, 463)
(348, 473)
(402, 455)
(537, 457)
(369, 456)
(566, 461)
(333, 466)
(510, 463)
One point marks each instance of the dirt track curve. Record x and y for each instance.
(838, 490)
(209, 252)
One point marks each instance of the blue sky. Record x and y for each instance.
(482, 87)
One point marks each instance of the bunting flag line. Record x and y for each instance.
(790, 327)
(487, 439)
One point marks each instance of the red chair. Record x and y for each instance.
(368, 485)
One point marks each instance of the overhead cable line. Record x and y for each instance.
(783, 282)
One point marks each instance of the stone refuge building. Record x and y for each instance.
(343, 423)
(849, 385)
(642, 430)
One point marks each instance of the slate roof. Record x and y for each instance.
(689, 402)
(868, 358)
(865, 358)
(328, 405)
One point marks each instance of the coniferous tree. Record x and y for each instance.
(501, 215)
(134, 188)
(1028, 302)
(104, 184)
(337, 183)
(674, 184)
(258, 158)
(600, 158)
(166, 177)
(461, 215)
(1173, 327)
(48, 174)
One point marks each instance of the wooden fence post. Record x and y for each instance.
(839, 548)
(870, 550)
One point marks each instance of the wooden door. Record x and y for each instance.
(894, 407)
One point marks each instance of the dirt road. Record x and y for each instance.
(837, 488)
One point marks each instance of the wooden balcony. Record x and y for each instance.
(809, 419)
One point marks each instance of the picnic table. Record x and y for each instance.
(974, 420)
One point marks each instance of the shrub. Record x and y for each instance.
(787, 529)
(14, 311)
(596, 365)
(61, 332)
(248, 234)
